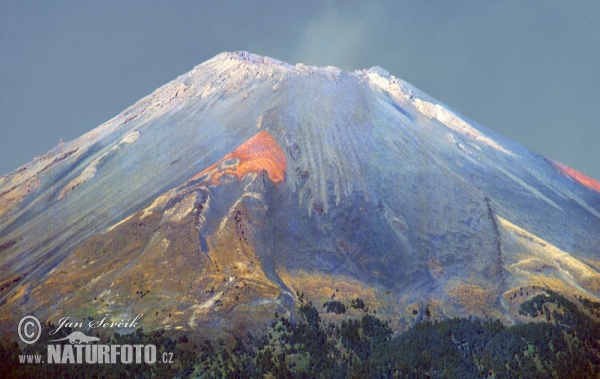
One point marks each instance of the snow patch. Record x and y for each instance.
(452, 121)
(131, 137)
(91, 170)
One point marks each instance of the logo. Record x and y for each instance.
(82, 348)
(77, 338)
(29, 329)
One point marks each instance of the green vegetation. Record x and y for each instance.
(335, 307)
(358, 303)
(562, 342)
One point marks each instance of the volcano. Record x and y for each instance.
(217, 200)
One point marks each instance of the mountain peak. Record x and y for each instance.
(250, 58)
(247, 179)
(224, 60)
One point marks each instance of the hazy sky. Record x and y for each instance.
(530, 70)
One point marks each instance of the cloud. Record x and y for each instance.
(338, 37)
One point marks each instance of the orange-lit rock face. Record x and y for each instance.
(578, 176)
(261, 152)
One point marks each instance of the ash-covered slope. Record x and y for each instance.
(217, 198)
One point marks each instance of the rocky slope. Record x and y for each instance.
(211, 203)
